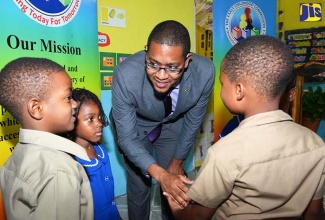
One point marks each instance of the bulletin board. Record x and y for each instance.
(308, 48)
(307, 45)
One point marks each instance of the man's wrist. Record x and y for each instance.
(155, 171)
(176, 161)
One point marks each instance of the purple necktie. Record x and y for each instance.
(155, 133)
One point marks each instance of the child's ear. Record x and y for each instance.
(35, 108)
(240, 91)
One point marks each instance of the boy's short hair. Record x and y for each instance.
(25, 78)
(264, 61)
(171, 33)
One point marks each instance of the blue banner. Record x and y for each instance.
(233, 21)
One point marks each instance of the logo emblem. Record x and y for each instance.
(54, 13)
(244, 19)
(310, 12)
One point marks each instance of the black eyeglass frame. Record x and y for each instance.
(156, 68)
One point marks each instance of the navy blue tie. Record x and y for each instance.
(155, 133)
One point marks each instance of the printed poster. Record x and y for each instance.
(62, 30)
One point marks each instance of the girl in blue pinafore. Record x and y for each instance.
(88, 132)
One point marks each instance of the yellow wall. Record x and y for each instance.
(289, 14)
(141, 17)
(205, 137)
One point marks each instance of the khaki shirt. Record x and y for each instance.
(268, 167)
(40, 180)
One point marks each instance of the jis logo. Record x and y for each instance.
(310, 12)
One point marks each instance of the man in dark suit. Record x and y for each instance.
(165, 68)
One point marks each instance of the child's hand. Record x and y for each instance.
(174, 205)
(186, 180)
(175, 186)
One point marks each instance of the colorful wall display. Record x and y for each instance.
(64, 31)
(233, 21)
(307, 45)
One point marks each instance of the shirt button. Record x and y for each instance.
(106, 178)
(145, 132)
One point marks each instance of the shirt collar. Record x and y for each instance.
(265, 118)
(53, 141)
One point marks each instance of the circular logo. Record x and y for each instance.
(51, 13)
(244, 19)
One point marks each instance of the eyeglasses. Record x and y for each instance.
(169, 70)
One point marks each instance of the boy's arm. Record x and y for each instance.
(315, 210)
(193, 211)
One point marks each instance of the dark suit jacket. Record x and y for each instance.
(137, 109)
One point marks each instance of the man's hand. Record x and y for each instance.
(175, 167)
(171, 183)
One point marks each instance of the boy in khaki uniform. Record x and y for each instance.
(268, 167)
(41, 179)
